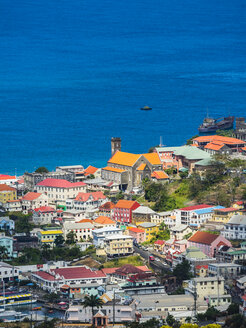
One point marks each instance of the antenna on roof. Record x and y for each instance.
(160, 142)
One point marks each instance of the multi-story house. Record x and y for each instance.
(13, 206)
(222, 215)
(137, 234)
(207, 242)
(211, 289)
(231, 255)
(185, 214)
(7, 193)
(33, 200)
(9, 180)
(59, 190)
(43, 215)
(142, 214)
(8, 272)
(226, 270)
(6, 224)
(178, 232)
(32, 179)
(149, 228)
(82, 231)
(99, 235)
(52, 280)
(201, 216)
(106, 209)
(84, 201)
(235, 228)
(166, 217)
(123, 211)
(118, 245)
(103, 221)
(7, 243)
(48, 236)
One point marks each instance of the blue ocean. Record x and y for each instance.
(74, 73)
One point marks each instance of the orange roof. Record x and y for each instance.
(125, 203)
(104, 220)
(4, 187)
(6, 177)
(13, 201)
(222, 139)
(244, 148)
(107, 206)
(153, 158)
(137, 230)
(203, 237)
(113, 169)
(112, 270)
(90, 170)
(31, 196)
(214, 146)
(84, 220)
(159, 175)
(122, 158)
(141, 167)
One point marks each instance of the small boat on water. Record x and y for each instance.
(37, 308)
(146, 108)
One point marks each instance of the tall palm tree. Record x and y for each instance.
(92, 301)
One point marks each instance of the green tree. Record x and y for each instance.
(59, 241)
(71, 238)
(225, 133)
(170, 320)
(182, 271)
(235, 321)
(42, 169)
(190, 141)
(3, 253)
(22, 223)
(92, 301)
(233, 308)
(120, 195)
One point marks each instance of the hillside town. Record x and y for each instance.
(153, 236)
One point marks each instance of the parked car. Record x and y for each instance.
(151, 258)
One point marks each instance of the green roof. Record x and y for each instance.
(204, 162)
(237, 252)
(189, 152)
(194, 252)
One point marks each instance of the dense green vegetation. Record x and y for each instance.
(42, 169)
(134, 260)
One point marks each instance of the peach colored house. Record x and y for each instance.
(207, 242)
(137, 234)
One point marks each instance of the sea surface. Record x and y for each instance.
(74, 73)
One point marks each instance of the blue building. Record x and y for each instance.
(6, 224)
(7, 242)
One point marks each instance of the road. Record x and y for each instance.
(156, 265)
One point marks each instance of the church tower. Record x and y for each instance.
(115, 145)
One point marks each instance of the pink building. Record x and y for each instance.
(137, 234)
(207, 242)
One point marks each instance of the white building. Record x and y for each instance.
(185, 214)
(235, 228)
(85, 201)
(168, 217)
(13, 206)
(33, 200)
(202, 216)
(178, 232)
(59, 190)
(99, 235)
(43, 215)
(118, 245)
(9, 180)
(83, 231)
(8, 272)
(226, 270)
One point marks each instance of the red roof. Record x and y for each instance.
(127, 269)
(243, 297)
(44, 209)
(159, 175)
(195, 207)
(31, 196)
(4, 187)
(201, 266)
(45, 275)
(126, 204)
(240, 202)
(137, 230)
(159, 242)
(60, 183)
(6, 177)
(221, 139)
(202, 237)
(78, 273)
(225, 210)
(84, 196)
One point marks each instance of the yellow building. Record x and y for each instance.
(150, 229)
(223, 215)
(48, 236)
(118, 245)
(7, 193)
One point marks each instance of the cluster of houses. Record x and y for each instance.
(73, 201)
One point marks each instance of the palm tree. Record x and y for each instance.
(92, 301)
(3, 253)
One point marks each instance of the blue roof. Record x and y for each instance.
(208, 210)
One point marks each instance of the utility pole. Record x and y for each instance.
(114, 309)
(195, 300)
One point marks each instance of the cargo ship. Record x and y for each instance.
(212, 125)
